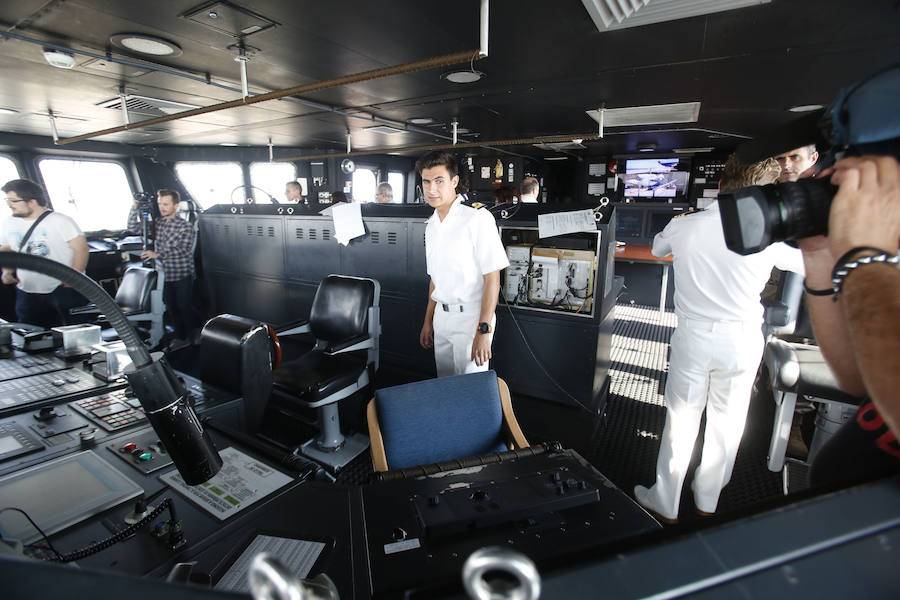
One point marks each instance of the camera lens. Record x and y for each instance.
(757, 216)
(802, 208)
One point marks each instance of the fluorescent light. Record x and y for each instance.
(805, 108)
(227, 144)
(693, 150)
(421, 121)
(8, 111)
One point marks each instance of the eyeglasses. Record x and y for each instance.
(15, 200)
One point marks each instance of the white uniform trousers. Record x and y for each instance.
(454, 332)
(713, 365)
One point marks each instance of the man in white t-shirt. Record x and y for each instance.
(41, 300)
(464, 257)
(716, 348)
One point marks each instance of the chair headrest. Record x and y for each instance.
(340, 307)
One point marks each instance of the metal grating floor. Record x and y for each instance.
(626, 449)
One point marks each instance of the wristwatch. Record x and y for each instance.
(484, 327)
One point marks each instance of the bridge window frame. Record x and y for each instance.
(103, 210)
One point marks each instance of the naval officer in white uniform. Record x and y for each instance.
(716, 348)
(464, 258)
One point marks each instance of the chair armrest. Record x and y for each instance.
(776, 314)
(358, 342)
(509, 417)
(379, 459)
(781, 360)
(301, 326)
(84, 310)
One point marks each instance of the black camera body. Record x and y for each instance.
(144, 201)
(863, 120)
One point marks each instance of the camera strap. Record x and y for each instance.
(31, 229)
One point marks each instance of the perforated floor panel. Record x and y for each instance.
(625, 449)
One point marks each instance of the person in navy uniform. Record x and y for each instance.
(464, 258)
(716, 348)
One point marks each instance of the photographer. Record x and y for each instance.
(857, 328)
(852, 281)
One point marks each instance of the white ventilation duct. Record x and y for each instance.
(656, 114)
(608, 15)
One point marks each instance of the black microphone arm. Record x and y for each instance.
(161, 394)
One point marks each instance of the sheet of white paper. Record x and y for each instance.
(241, 482)
(596, 189)
(566, 222)
(298, 556)
(711, 193)
(348, 222)
(596, 169)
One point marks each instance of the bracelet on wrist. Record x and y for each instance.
(846, 264)
(812, 292)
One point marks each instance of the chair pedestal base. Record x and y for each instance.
(335, 460)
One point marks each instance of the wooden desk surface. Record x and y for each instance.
(639, 253)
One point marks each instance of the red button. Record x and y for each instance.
(130, 446)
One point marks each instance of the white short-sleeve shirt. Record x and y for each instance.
(712, 283)
(460, 251)
(49, 239)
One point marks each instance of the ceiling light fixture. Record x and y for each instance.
(146, 44)
(59, 58)
(805, 108)
(8, 111)
(229, 144)
(647, 147)
(470, 76)
(421, 121)
(693, 150)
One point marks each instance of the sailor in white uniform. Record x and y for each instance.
(464, 257)
(715, 350)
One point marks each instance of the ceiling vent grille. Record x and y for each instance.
(143, 105)
(385, 130)
(560, 146)
(608, 15)
(629, 116)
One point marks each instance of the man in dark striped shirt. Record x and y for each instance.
(174, 243)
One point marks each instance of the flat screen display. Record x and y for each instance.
(629, 223)
(60, 493)
(658, 222)
(655, 177)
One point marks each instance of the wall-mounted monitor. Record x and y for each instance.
(655, 178)
(657, 221)
(629, 223)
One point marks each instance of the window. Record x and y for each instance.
(364, 184)
(398, 185)
(211, 183)
(93, 192)
(270, 178)
(8, 170)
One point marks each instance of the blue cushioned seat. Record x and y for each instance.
(442, 419)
